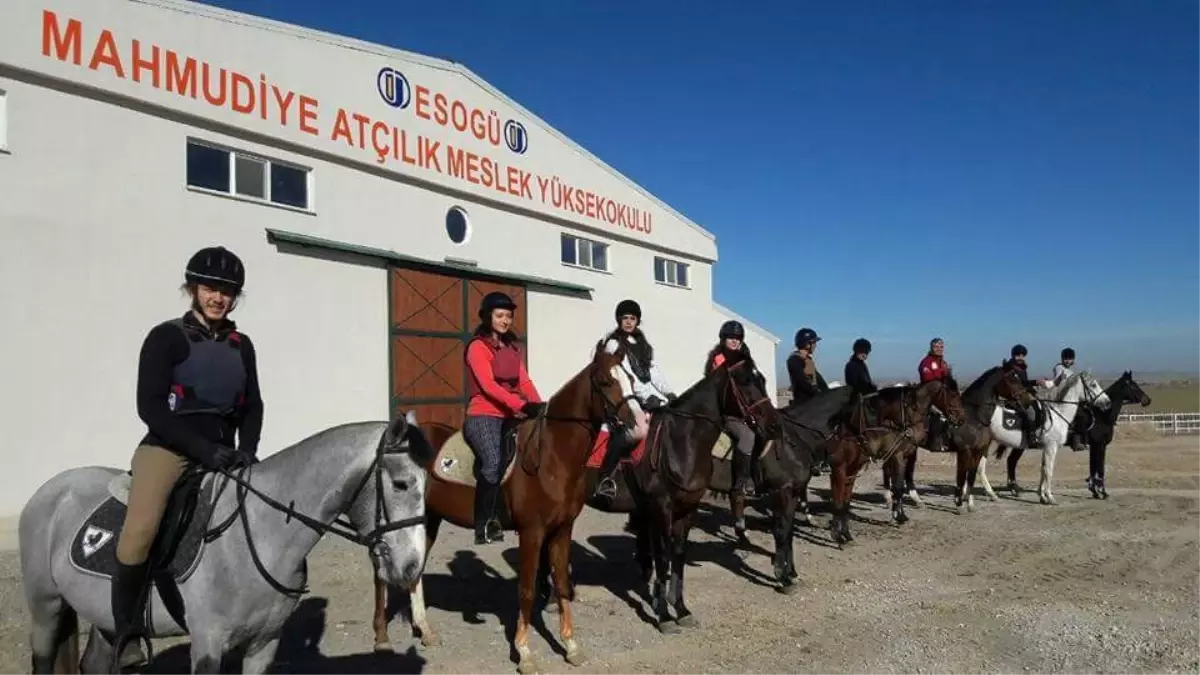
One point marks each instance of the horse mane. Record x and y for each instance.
(1056, 392)
(975, 390)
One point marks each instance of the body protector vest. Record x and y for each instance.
(212, 379)
(506, 367)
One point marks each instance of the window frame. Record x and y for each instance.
(592, 246)
(671, 272)
(268, 164)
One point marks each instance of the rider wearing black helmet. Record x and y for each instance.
(1017, 364)
(500, 390)
(858, 376)
(731, 343)
(197, 389)
(802, 370)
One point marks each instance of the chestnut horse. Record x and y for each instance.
(544, 494)
(663, 489)
(898, 426)
(969, 440)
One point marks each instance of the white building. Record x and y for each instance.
(374, 195)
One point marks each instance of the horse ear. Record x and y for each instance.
(393, 436)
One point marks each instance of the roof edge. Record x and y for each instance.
(308, 241)
(295, 30)
(734, 315)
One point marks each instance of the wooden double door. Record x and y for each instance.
(432, 317)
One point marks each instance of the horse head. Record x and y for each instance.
(610, 399)
(1126, 390)
(1094, 393)
(944, 394)
(1008, 385)
(388, 509)
(749, 393)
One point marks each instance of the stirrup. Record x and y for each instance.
(118, 648)
(607, 487)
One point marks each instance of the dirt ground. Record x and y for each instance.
(1099, 586)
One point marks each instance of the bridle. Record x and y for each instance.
(371, 540)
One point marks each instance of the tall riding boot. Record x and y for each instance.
(487, 529)
(129, 587)
(741, 473)
(607, 487)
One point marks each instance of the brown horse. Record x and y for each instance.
(899, 424)
(667, 476)
(543, 487)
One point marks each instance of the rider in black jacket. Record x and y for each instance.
(858, 376)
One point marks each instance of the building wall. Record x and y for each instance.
(98, 223)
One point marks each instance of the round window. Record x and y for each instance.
(457, 227)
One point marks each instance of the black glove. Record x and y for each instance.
(533, 409)
(671, 398)
(653, 403)
(228, 459)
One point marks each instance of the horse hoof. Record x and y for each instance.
(788, 588)
(577, 657)
(689, 621)
(668, 627)
(430, 639)
(993, 496)
(970, 507)
(960, 509)
(901, 518)
(382, 647)
(551, 608)
(527, 666)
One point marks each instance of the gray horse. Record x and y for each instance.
(243, 578)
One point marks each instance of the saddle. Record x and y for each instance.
(455, 460)
(1013, 418)
(177, 548)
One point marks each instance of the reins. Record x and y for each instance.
(344, 530)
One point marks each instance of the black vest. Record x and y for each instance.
(212, 379)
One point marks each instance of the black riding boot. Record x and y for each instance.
(129, 586)
(741, 474)
(487, 527)
(607, 487)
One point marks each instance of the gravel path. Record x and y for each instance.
(1013, 587)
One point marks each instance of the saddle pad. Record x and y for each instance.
(1010, 419)
(94, 548)
(596, 458)
(455, 462)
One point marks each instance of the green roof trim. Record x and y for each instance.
(388, 255)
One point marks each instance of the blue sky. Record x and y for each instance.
(990, 172)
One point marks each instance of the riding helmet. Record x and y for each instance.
(495, 300)
(216, 266)
(805, 336)
(629, 307)
(1019, 350)
(1068, 353)
(732, 329)
(862, 346)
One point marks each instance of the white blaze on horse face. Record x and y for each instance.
(641, 425)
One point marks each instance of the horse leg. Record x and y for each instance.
(680, 531)
(54, 639)
(259, 656)
(887, 486)
(1101, 451)
(660, 521)
(804, 517)
(895, 469)
(559, 556)
(1014, 456)
(961, 463)
(531, 540)
(644, 554)
(1049, 452)
(841, 488)
(737, 504)
(980, 459)
(208, 649)
(416, 597)
(785, 512)
(910, 481)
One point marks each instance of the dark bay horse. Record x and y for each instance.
(899, 425)
(971, 439)
(543, 488)
(783, 471)
(668, 475)
(1100, 424)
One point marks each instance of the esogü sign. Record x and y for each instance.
(436, 107)
(257, 97)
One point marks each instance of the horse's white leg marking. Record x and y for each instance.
(419, 618)
(912, 494)
(981, 474)
(259, 656)
(1049, 453)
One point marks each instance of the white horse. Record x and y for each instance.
(1059, 404)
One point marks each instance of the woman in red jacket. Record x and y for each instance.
(500, 390)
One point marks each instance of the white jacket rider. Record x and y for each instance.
(629, 317)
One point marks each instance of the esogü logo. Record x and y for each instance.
(397, 92)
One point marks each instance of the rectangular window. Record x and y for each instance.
(3, 120)
(671, 272)
(584, 253)
(211, 167)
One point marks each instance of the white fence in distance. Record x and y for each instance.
(1165, 423)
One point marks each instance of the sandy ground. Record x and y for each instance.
(1013, 587)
